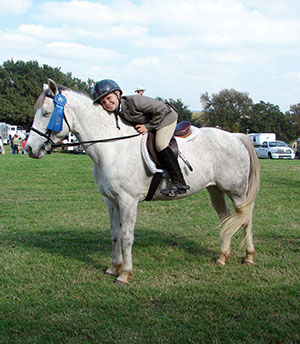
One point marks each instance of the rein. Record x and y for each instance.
(47, 135)
(55, 145)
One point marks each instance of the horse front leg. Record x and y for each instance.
(114, 215)
(128, 213)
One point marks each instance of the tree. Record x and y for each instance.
(294, 116)
(226, 109)
(235, 111)
(268, 118)
(184, 114)
(21, 84)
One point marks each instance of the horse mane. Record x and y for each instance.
(41, 98)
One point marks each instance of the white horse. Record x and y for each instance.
(223, 163)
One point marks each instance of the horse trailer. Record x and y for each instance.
(258, 138)
(4, 133)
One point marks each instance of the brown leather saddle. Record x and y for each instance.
(183, 129)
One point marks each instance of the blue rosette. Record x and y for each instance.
(56, 120)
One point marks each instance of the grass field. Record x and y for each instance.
(55, 245)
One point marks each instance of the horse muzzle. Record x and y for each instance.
(39, 152)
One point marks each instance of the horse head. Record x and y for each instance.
(60, 110)
(50, 124)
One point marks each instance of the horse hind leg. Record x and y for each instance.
(220, 205)
(242, 218)
(248, 242)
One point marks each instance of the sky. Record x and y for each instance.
(177, 49)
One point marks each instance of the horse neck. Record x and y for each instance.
(92, 122)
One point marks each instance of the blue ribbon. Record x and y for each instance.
(56, 120)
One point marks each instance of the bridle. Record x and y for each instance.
(48, 132)
(53, 145)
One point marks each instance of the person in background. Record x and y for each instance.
(15, 144)
(24, 145)
(140, 90)
(147, 114)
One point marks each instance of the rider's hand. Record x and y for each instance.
(140, 128)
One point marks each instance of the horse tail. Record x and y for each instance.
(243, 215)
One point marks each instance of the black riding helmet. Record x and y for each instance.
(104, 87)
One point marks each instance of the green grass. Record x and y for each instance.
(55, 245)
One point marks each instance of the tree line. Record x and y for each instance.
(236, 112)
(20, 85)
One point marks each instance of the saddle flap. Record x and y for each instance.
(152, 150)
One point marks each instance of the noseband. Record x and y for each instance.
(47, 135)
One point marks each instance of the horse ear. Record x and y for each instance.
(52, 86)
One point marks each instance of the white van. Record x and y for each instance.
(71, 138)
(16, 129)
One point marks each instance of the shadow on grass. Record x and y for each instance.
(281, 242)
(90, 246)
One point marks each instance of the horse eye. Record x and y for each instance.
(46, 113)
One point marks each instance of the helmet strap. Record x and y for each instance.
(117, 120)
(118, 110)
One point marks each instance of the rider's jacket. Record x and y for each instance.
(153, 113)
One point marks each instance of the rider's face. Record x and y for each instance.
(110, 102)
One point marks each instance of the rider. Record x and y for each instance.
(147, 114)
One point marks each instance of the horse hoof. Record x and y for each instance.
(248, 262)
(113, 270)
(123, 278)
(220, 263)
(119, 283)
(108, 274)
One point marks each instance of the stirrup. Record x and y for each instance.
(173, 190)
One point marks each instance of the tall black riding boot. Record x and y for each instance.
(169, 161)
